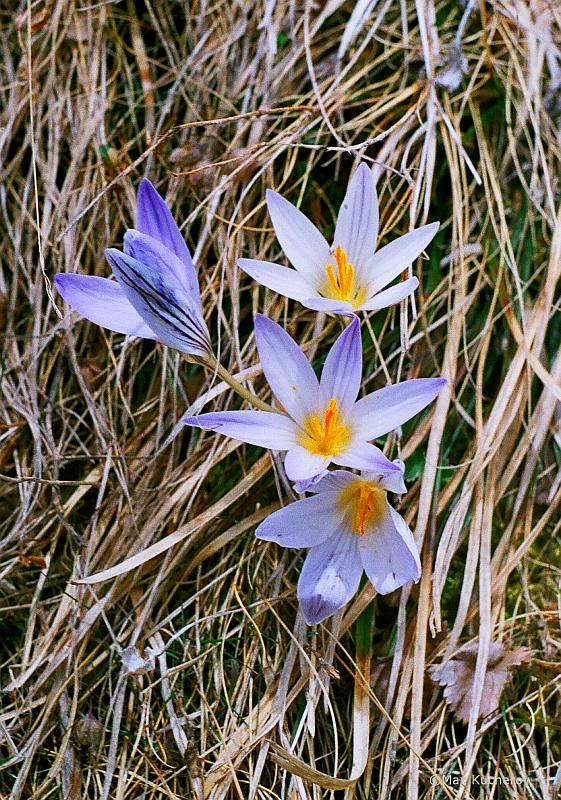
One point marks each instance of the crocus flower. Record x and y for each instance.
(156, 294)
(321, 421)
(349, 527)
(349, 276)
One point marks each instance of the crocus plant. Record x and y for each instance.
(347, 523)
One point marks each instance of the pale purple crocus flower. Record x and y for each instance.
(349, 527)
(349, 276)
(320, 421)
(156, 294)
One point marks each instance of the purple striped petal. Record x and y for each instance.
(303, 244)
(389, 554)
(366, 457)
(283, 280)
(342, 371)
(170, 310)
(390, 296)
(300, 464)
(305, 523)
(154, 218)
(152, 252)
(262, 428)
(388, 408)
(329, 577)
(288, 371)
(357, 224)
(102, 301)
(395, 257)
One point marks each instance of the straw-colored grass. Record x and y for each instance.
(191, 674)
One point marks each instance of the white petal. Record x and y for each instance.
(342, 371)
(390, 296)
(329, 305)
(303, 244)
(364, 456)
(288, 371)
(262, 428)
(357, 224)
(388, 408)
(389, 554)
(300, 464)
(283, 280)
(395, 257)
(330, 576)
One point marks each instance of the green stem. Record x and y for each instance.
(233, 383)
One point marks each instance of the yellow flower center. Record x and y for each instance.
(365, 502)
(341, 285)
(327, 435)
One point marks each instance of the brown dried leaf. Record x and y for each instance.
(457, 677)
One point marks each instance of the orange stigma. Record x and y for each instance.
(327, 436)
(365, 502)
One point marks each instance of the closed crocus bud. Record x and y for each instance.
(156, 292)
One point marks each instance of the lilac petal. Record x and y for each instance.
(283, 280)
(395, 257)
(154, 218)
(303, 244)
(390, 296)
(342, 371)
(389, 554)
(366, 457)
(357, 224)
(150, 251)
(390, 477)
(102, 301)
(388, 408)
(333, 481)
(309, 485)
(330, 576)
(288, 371)
(300, 464)
(328, 305)
(167, 306)
(305, 523)
(263, 428)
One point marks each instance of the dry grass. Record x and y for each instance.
(232, 696)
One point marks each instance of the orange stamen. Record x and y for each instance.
(340, 285)
(326, 436)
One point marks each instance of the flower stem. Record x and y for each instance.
(233, 383)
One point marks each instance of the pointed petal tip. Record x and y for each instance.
(146, 185)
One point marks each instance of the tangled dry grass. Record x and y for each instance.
(190, 673)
